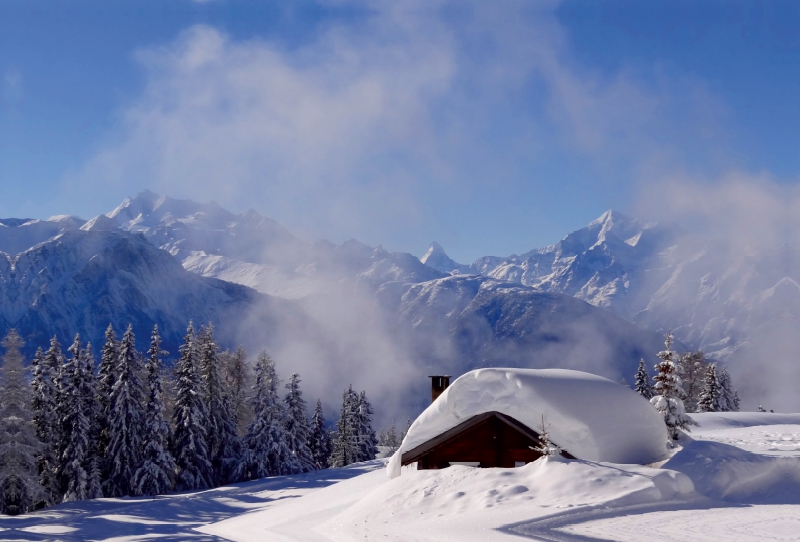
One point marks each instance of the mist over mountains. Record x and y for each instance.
(598, 300)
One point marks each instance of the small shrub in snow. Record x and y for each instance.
(547, 447)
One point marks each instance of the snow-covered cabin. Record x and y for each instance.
(493, 417)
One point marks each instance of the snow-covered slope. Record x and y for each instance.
(591, 417)
(80, 281)
(462, 322)
(19, 234)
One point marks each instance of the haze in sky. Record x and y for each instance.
(491, 127)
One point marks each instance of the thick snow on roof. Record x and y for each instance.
(590, 416)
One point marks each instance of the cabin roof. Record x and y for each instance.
(594, 418)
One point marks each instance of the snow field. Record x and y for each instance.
(465, 503)
(551, 499)
(181, 516)
(736, 523)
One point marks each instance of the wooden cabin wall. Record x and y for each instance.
(491, 443)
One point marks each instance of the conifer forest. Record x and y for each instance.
(79, 424)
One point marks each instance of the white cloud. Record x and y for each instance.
(373, 123)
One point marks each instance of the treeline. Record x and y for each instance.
(78, 429)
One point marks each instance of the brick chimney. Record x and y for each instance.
(439, 383)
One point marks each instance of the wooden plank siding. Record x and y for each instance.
(491, 439)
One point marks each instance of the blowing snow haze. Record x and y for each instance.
(599, 300)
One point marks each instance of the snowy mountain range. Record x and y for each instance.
(159, 259)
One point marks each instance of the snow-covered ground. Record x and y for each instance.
(738, 480)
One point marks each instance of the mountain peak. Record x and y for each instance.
(609, 218)
(438, 259)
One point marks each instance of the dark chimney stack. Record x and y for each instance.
(439, 383)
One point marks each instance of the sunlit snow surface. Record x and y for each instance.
(547, 500)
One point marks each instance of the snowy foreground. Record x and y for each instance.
(738, 480)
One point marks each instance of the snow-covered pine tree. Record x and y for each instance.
(367, 442)
(155, 474)
(76, 426)
(729, 397)
(190, 419)
(237, 378)
(642, 384)
(106, 376)
(224, 446)
(297, 426)
(43, 407)
(88, 391)
(346, 442)
(319, 440)
(126, 419)
(20, 490)
(692, 368)
(54, 359)
(668, 390)
(710, 396)
(266, 451)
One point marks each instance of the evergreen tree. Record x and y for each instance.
(189, 446)
(729, 400)
(710, 396)
(367, 442)
(668, 390)
(223, 442)
(154, 475)
(76, 426)
(297, 427)
(319, 440)
(54, 358)
(346, 442)
(642, 382)
(266, 451)
(43, 407)
(692, 367)
(20, 490)
(237, 380)
(107, 376)
(126, 420)
(547, 447)
(88, 391)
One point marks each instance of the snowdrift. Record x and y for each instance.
(712, 421)
(591, 417)
(470, 504)
(728, 473)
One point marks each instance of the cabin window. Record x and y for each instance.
(519, 464)
(466, 463)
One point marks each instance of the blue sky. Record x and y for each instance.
(490, 127)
